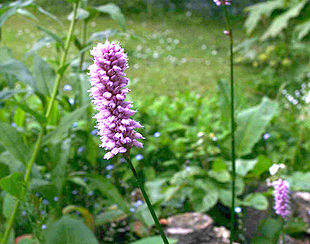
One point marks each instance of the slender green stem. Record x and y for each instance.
(84, 36)
(147, 200)
(41, 134)
(232, 120)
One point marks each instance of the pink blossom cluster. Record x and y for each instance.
(222, 2)
(115, 127)
(282, 198)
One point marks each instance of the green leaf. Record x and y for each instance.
(8, 205)
(282, 21)
(302, 29)
(299, 181)
(81, 14)
(5, 94)
(220, 175)
(26, 13)
(69, 231)
(109, 190)
(18, 70)
(154, 189)
(102, 35)
(243, 166)
(263, 164)
(260, 10)
(45, 76)
(64, 125)
(4, 170)
(46, 189)
(295, 226)
(52, 35)
(256, 200)
(48, 14)
(251, 124)
(13, 142)
(14, 185)
(40, 44)
(270, 229)
(88, 218)
(39, 117)
(153, 240)
(202, 201)
(109, 216)
(115, 13)
(59, 173)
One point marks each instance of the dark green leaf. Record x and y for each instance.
(18, 70)
(14, 185)
(109, 190)
(69, 231)
(153, 240)
(45, 76)
(256, 200)
(13, 142)
(251, 124)
(64, 125)
(115, 13)
(263, 164)
(8, 205)
(81, 14)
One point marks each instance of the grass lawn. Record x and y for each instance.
(168, 54)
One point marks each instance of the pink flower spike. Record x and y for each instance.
(282, 198)
(115, 127)
(222, 2)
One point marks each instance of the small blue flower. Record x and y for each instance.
(45, 202)
(81, 149)
(91, 193)
(67, 87)
(71, 101)
(138, 203)
(75, 124)
(14, 125)
(122, 160)
(37, 194)
(56, 199)
(43, 227)
(238, 210)
(188, 168)
(24, 213)
(93, 132)
(132, 210)
(156, 134)
(266, 136)
(139, 157)
(42, 212)
(84, 179)
(108, 176)
(109, 167)
(74, 192)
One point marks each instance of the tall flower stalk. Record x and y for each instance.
(115, 127)
(282, 201)
(228, 32)
(43, 129)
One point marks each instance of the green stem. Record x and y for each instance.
(147, 200)
(40, 137)
(232, 115)
(84, 36)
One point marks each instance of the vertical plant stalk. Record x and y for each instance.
(147, 200)
(232, 120)
(41, 134)
(84, 36)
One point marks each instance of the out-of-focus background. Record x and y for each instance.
(179, 81)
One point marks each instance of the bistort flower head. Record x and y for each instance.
(222, 2)
(115, 127)
(282, 198)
